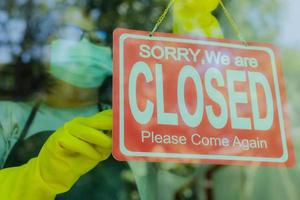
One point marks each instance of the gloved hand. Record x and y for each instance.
(70, 152)
(195, 17)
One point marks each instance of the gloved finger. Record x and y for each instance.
(88, 134)
(100, 121)
(75, 145)
(105, 153)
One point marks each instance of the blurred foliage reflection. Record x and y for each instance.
(26, 26)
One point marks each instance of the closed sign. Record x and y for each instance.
(186, 99)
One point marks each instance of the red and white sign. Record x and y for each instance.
(188, 99)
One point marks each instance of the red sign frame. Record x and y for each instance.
(198, 100)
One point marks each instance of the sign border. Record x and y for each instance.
(126, 152)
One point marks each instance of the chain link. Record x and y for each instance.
(233, 24)
(162, 17)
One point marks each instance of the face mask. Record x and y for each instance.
(81, 64)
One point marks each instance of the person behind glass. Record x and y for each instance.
(78, 67)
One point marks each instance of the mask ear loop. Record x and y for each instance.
(84, 32)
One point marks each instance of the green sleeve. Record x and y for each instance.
(12, 119)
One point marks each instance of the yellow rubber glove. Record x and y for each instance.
(194, 17)
(70, 152)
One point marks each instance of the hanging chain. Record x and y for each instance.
(229, 17)
(162, 17)
(233, 24)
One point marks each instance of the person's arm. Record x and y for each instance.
(70, 152)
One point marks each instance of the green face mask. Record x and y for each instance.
(81, 64)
